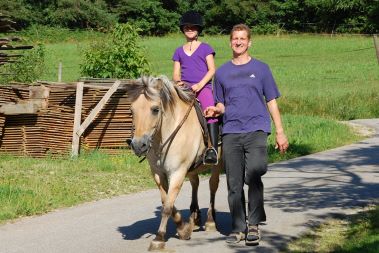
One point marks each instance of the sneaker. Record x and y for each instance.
(253, 235)
(210, 156)
(234, 238)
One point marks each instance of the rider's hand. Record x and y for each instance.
(196, 87)
(179, 83)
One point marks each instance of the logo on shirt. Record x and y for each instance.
(252, 76)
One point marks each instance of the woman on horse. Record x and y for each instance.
(194, 66)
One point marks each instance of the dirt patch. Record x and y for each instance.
(362, 130)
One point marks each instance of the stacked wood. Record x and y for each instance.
(49, 132)
(6, 25)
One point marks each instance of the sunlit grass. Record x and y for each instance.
(31, 186)
(333, 77)
(355, 234)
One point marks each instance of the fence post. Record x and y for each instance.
(60, 72)
(376, 43)
(77, 119)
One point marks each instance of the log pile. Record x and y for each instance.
(7, 49)
(50, 130)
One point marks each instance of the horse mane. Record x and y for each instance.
(159, 88)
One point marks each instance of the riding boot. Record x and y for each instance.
(210, 156)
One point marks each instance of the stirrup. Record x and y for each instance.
(205, 153)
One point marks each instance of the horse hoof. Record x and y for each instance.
(156, 245)
(210, 227)
(186, 232)
(196, 227)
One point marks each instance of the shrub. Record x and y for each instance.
(79, 14)
(120, 56)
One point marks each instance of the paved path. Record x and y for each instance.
(298, 193)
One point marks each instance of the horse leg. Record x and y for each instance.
(194, 208)
(184, 229)
(210, 224)
(168, 209)
(158, 242)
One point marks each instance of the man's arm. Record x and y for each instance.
(281, 138)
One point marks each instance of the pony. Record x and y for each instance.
(168, 133)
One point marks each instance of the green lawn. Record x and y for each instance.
(333, 77)
(356, 233)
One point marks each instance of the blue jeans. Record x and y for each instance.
(245, 160)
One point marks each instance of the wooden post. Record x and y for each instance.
(77, 119)
(97, 108)
(79, 129)
(376, 43)
(60, 72)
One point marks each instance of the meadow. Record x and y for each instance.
(322, 79)
(331, 77)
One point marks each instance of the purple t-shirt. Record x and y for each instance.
(194, 67)
(244, 91)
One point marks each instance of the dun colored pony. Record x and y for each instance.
(168, 132)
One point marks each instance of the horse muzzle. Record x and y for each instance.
(140, 146)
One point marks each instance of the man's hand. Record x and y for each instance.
(281, 142)
(212, 112)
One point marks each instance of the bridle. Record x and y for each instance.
(172, 135)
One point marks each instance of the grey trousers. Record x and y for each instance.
(245, 160)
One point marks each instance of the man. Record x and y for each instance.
(245, 96)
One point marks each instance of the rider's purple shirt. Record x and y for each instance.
(244, 91)
(194, 67)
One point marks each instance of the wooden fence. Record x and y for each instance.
(43, 124)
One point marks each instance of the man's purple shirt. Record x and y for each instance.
(244, 90)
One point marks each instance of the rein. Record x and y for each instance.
(173, 134)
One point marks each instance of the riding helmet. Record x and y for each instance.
(192, 18)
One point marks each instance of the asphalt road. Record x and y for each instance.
(299, 193)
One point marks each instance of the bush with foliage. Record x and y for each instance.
(80, 14)
(149, 16)
(119, 56)
(19, 12)
(28, 68)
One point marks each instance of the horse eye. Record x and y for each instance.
(155, 110)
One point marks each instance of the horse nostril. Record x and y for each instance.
(129, 142)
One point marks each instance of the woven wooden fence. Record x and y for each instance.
(49, 130)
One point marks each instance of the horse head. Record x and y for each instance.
(146, 108)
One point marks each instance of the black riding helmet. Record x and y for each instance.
(191, 18)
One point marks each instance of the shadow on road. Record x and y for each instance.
(148, 227)
(336, 181)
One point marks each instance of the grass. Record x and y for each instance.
(331, 77)
(307, 135)
(354, 234)
(31, 186)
